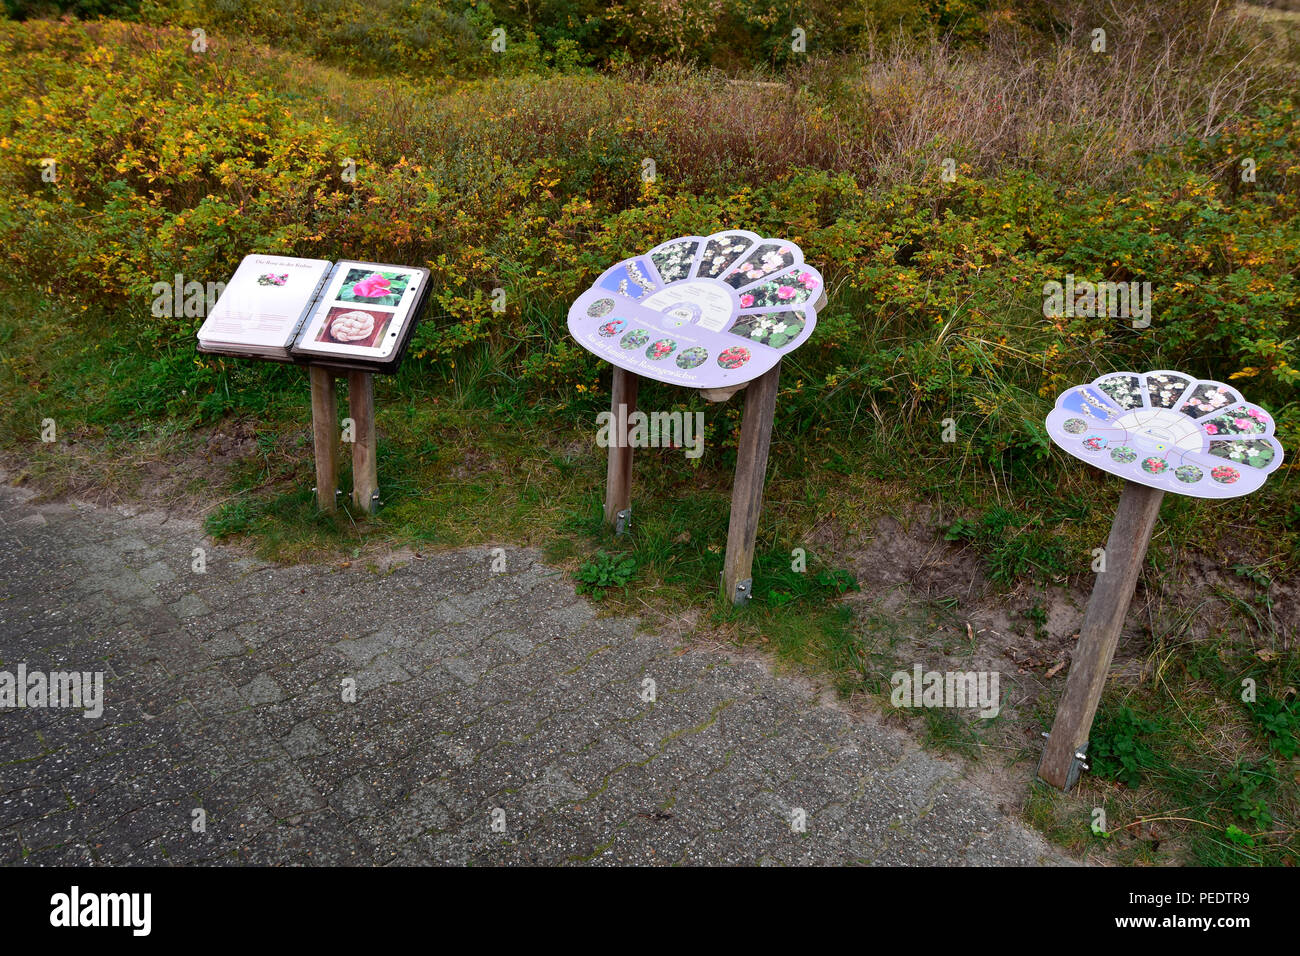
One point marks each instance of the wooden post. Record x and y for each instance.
(747, 490)
(1102, 622)
(365, 473)
(325, 436)
(618, 476)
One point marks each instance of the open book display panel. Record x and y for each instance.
(353, 316)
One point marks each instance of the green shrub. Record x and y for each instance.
(174, 162)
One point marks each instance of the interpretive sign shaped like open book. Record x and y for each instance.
(348, 314)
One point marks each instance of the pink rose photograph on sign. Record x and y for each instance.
(373, 288)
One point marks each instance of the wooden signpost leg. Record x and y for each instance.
(747, 491)
(1102, 622)
(618, 478)
(325, 436)
(365, 473)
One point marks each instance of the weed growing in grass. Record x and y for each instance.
(1119, 749)
(604, 572)
(781, 586)
(1253, 574)
(1036, 614)
(232, 518)
(1246, 787)
(1280, 722)
(952, 731)
(1015, 546)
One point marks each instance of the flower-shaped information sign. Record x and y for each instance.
(1169, 431)
(701, 311)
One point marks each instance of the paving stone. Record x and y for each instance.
(262, 690)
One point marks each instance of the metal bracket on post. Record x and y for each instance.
(744, 591)
(375, 502)
(623, 521)
(1077, 764)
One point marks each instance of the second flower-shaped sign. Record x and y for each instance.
(1169, 431)
(701, 311)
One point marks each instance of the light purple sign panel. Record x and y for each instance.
(1170, 431)
(701, 311)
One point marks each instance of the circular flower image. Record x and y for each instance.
(1189, 474)
(1075, 425)
(1224, 474)
(734, 357)
(1154, 466)
(1094, 443)
(351, 326)
(1123, 454)
(716, 292)
(635, 339)
(661, 349)
(690, 358)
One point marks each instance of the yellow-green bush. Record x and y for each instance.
(170, 161)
